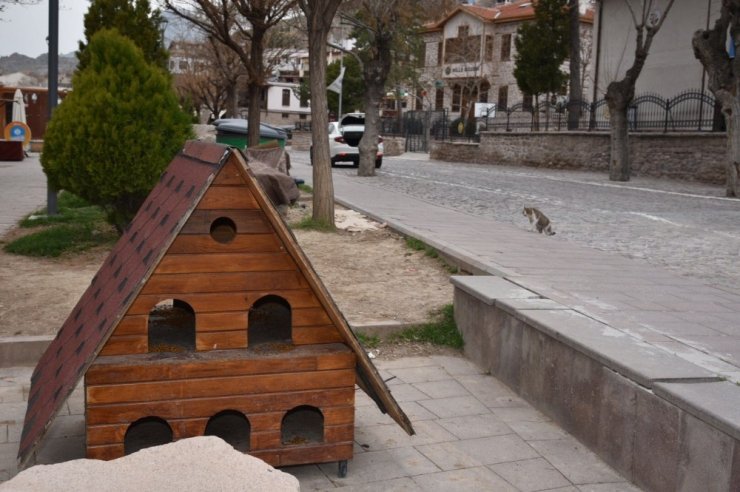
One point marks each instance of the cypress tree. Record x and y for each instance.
(115, 133)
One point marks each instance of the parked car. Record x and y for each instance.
(344, 138)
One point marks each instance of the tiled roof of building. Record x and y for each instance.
(521, 10)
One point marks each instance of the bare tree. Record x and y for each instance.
(211, 77)
(647, 21)
(319, 15)
(710, 47)
(232, 22)
(383, 31)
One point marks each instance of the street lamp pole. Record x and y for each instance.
(51, 193)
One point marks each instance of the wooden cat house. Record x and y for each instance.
(207, 319)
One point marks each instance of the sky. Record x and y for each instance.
(23, 29)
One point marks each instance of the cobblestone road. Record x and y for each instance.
(689, 228)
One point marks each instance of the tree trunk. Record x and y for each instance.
(618, 97)
(619, 161)
(576, 90)
(256, 83)
(230, 103)
(319, 15)
(254, 93)
(369, 142)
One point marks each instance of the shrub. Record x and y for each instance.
(116, 131)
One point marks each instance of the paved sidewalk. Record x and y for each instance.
(473, 434)
(680, 315)
(23, 189)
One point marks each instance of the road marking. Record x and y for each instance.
(656, 218)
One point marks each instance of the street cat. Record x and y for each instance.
(538, 220)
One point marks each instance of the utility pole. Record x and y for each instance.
(53, 77)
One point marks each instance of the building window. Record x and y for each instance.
(183, 65)
(172, 64)
(503, 97)
(440, 49)
(506, 47)
(463, 31)
(439, 100)
(456, 97)
(489, 48)
(302, 117)
(285, 116)
(286, 97)
(483, 93)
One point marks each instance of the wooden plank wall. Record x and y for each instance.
(187, 393)
(222, 281)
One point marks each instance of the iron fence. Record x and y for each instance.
(691, 110)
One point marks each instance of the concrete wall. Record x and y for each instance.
(663, 423)
(690, 156)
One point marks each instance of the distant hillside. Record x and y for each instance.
(38, 66)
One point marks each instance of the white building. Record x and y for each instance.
(469, 55)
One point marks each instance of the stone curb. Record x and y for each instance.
(22, 351)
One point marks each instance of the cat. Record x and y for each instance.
(538, 220)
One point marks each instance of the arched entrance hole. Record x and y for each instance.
(172, 327)
(231, 426)
(269, 321)
(145, 433)
(302, 425)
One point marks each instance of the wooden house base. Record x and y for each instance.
(295, 403)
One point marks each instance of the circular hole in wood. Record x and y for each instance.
(223, 230)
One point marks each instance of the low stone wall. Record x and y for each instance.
(393, 146)
(660, 421)
(688, 156)
(301, 140)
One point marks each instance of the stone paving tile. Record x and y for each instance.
(375, 466)
(388, 436)
(454, 407)
(455, 366)
(608, 487)
(531, 475)
(519, 414)
(311, 477)
(497, 449)
(575, 462)
(441, 389)
(473, 426)
(537, 431)
(408, 392)
(491, 392)
(420, 374)
(468, 479)
(416, 411)
(447, 456)
(396, 485)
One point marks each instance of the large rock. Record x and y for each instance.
(197, 464)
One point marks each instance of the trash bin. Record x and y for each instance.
(233, 132)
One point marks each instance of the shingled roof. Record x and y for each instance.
(127, 269)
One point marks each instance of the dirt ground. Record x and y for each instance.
(371, 274)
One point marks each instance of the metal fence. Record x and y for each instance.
(691, 110)
(688, 111)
